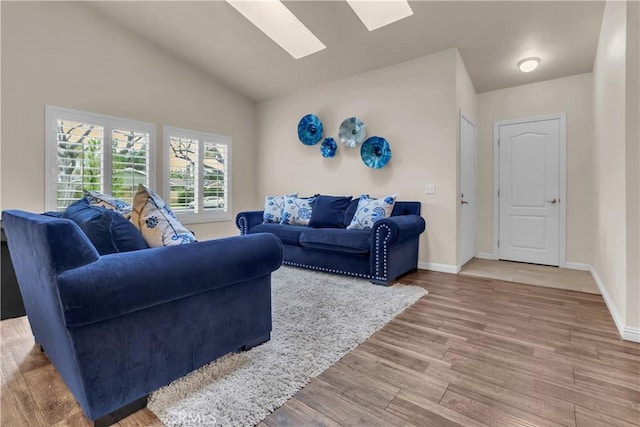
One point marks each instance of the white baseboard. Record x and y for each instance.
(577, 266)
(485, 255)
(631, 334)
(626, 332)
(442, 268)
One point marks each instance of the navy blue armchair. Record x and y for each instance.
(381, 254)
(119, 326)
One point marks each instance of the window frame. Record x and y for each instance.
(108, 123)
(201, 216)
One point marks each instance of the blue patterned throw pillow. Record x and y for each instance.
(274, 207)
(297, 211)
(156, 221)
(96, 198)
(371, 210)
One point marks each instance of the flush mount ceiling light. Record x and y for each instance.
(282, 26)
(378, 13)
(527, 65)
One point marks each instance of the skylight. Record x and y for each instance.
(378, 13)
(282, 26)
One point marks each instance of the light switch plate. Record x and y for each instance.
(430, 189)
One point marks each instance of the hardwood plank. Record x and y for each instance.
(374, 391)
(344, 407)
(19, 408)
(295, 413)
(408, 380)
(588, 418)
(529, 400)
(423, 412)
(585, 397)
(490, 412)
(51, 394)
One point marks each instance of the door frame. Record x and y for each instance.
(562, 212)
(463, 116)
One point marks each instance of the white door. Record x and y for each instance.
(529, 191)
(467, 197)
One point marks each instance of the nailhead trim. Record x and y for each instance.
(330, 270)
(384, 249)
(242, 224)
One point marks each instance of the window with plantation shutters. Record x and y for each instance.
(87, 151)
(197, 182)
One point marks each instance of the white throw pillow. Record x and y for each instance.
(155, 220)
(371, 210)
(96, 198)
(273, 208)
(297, 211)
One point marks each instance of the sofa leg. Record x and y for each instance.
(381, 282)
(261, 340)
(121, 413)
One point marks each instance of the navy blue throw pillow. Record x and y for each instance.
(109, 231)
(350, 212)
(328, 212)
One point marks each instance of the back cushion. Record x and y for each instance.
(109, 231)
(350, 212)
(328, 212)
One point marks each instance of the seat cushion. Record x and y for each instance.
(337, 240)
(288, 234)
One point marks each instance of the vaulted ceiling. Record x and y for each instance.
(491, 37)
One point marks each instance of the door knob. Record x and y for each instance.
(552, 201)
(464, 202)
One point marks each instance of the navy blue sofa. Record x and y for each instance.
(381, 254)
(119, 326)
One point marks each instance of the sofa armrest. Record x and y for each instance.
(246, 220)
(397, 229)
(126, 282)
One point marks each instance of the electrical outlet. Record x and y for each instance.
(430, 189)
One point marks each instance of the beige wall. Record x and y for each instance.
(412, 105)
(571, 95)
(609, 130)
(64, 54)
(467, 103)
(633, 163)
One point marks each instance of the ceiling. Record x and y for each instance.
(491, 38)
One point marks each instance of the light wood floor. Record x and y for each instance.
(532, 274)
(472, 352)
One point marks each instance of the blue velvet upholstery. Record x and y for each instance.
(288, 234)
(328, 211)
(350, 212)
(382, 254)
(334, 239)
(108, 230)
(119, 326)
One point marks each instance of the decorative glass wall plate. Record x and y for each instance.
(352, 132)
(310, 129)
(375, 152)
(328, 147)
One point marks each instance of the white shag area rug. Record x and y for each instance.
(317, 319)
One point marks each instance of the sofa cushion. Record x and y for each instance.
(371, 210)
(274, 207)
(331, 239)
(328, 211)
(156, 221)
(109, 231)
(99, 199)
(349, 212)
(297, 211)
(288, 234)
